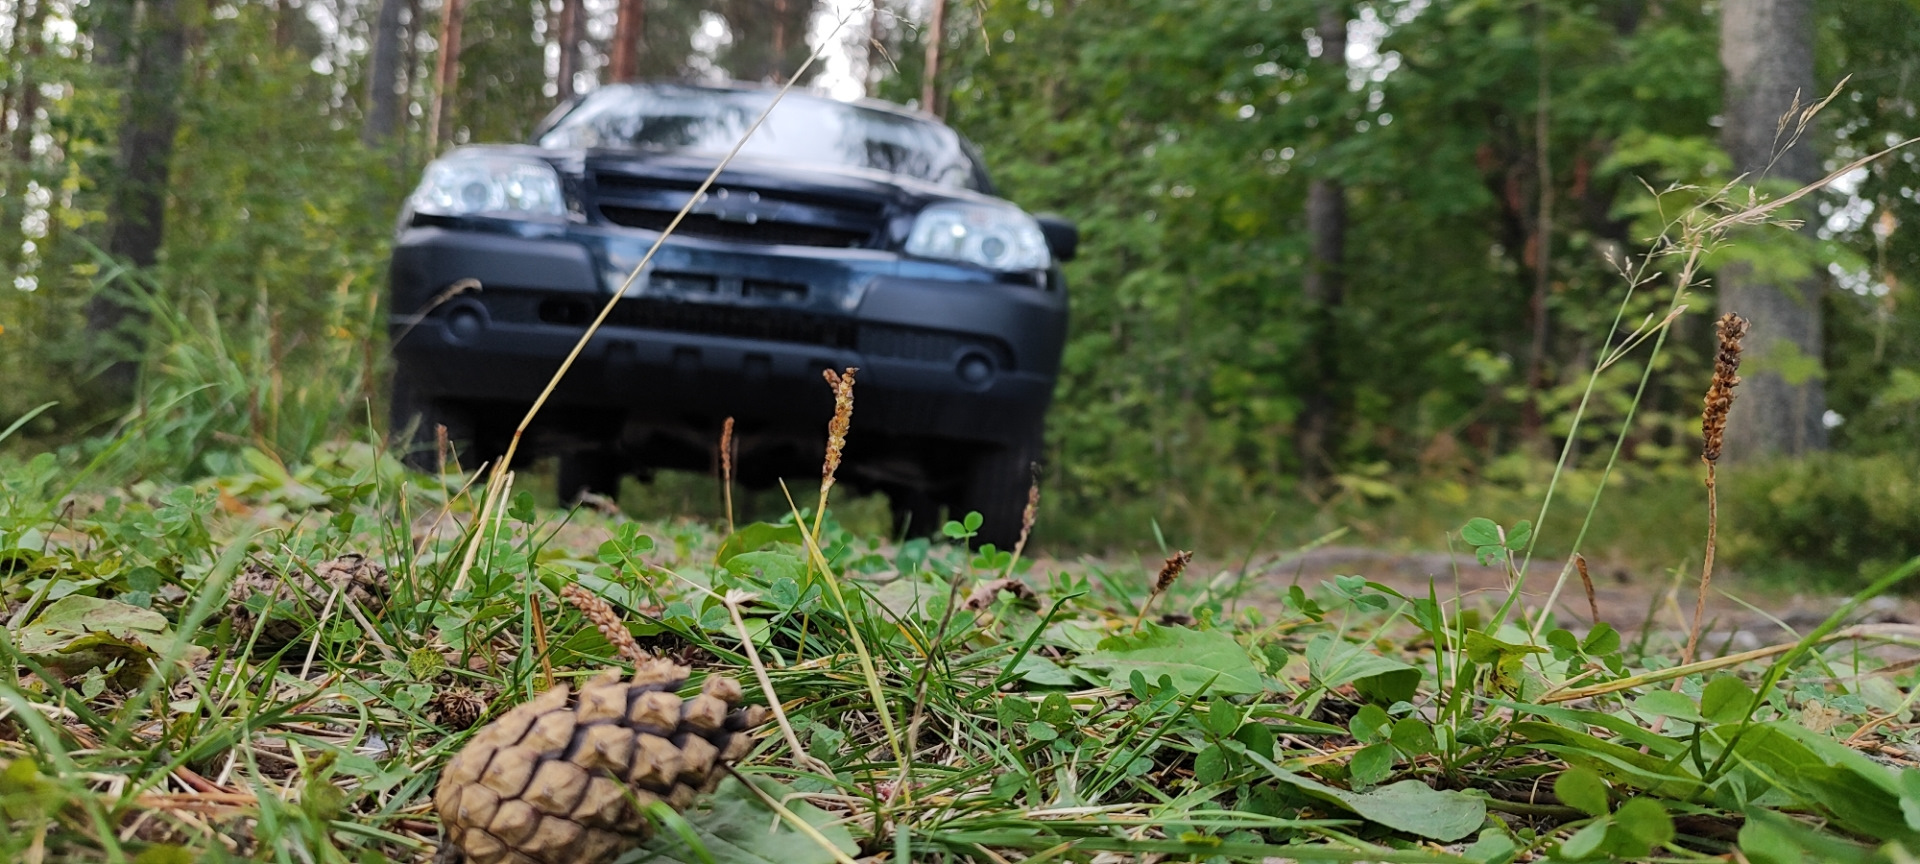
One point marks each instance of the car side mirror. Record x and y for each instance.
(1063, 237)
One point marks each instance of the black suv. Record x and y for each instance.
(843, 234)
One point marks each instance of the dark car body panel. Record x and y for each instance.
(777, 273)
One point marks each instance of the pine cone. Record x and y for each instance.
(292, 603)
(456, 708)
(554, 780)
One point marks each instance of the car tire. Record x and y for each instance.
(997, 483)
(597, 470)
(414, 415)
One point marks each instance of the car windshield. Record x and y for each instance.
(802, 129)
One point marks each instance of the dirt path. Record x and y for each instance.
(1630, 602)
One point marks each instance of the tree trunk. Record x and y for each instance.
(283, 24)
(447, 76)
(1542, 240)
(779, 41)
(137, 212)
(930, 77)
(628, 30)
(23, 100)
(1766, 49)
(568, 34)
(1324, 286)
(383, 77)
(877, 57)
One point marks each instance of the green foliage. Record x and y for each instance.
(1829, 517)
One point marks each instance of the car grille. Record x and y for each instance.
(771, 323)
(771, 218)
(765, 233)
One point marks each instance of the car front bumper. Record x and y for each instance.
(713, 330)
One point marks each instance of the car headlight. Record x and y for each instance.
(1002, 238)
(463, 185)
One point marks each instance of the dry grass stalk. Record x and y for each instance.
(726, 469)
(1027, 518)
(1593, 603)
(842, 384)
(601, 615)
(732, 600)
(1713, 426)
(1170, 571)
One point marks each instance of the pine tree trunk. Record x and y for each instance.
(136, 215)
(628, 29)
(383, 77)
(930, 77)
(568, 35)
(1325, 283)
(1766, 49)
(447, 75)
(877, 57)
(23, 99)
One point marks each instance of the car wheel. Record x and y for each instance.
(414, 417)
(597, 470)
(996, 487)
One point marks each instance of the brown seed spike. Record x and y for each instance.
(1726, 376)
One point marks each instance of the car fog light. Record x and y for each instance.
(975, 369)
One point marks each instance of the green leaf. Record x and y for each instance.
(1414, 736)
(1409, 805)
(1037, 670)
(1583, 790)
(1667, 703)
(1492, 847)
(769, 565)
(1645, 822)
(1725, 699)
(1223, 717)
(1770, 838)
(1518, 537)
(77, 633)
(1367, 723)
(1057, 710)
(754, 537)
(1586, 842)
(521, 510)
(1481, 531)
(1190, 658)
(1371, 765)
(1333, 662)
(1210, 766)
(1619, 763)
(738, 828)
